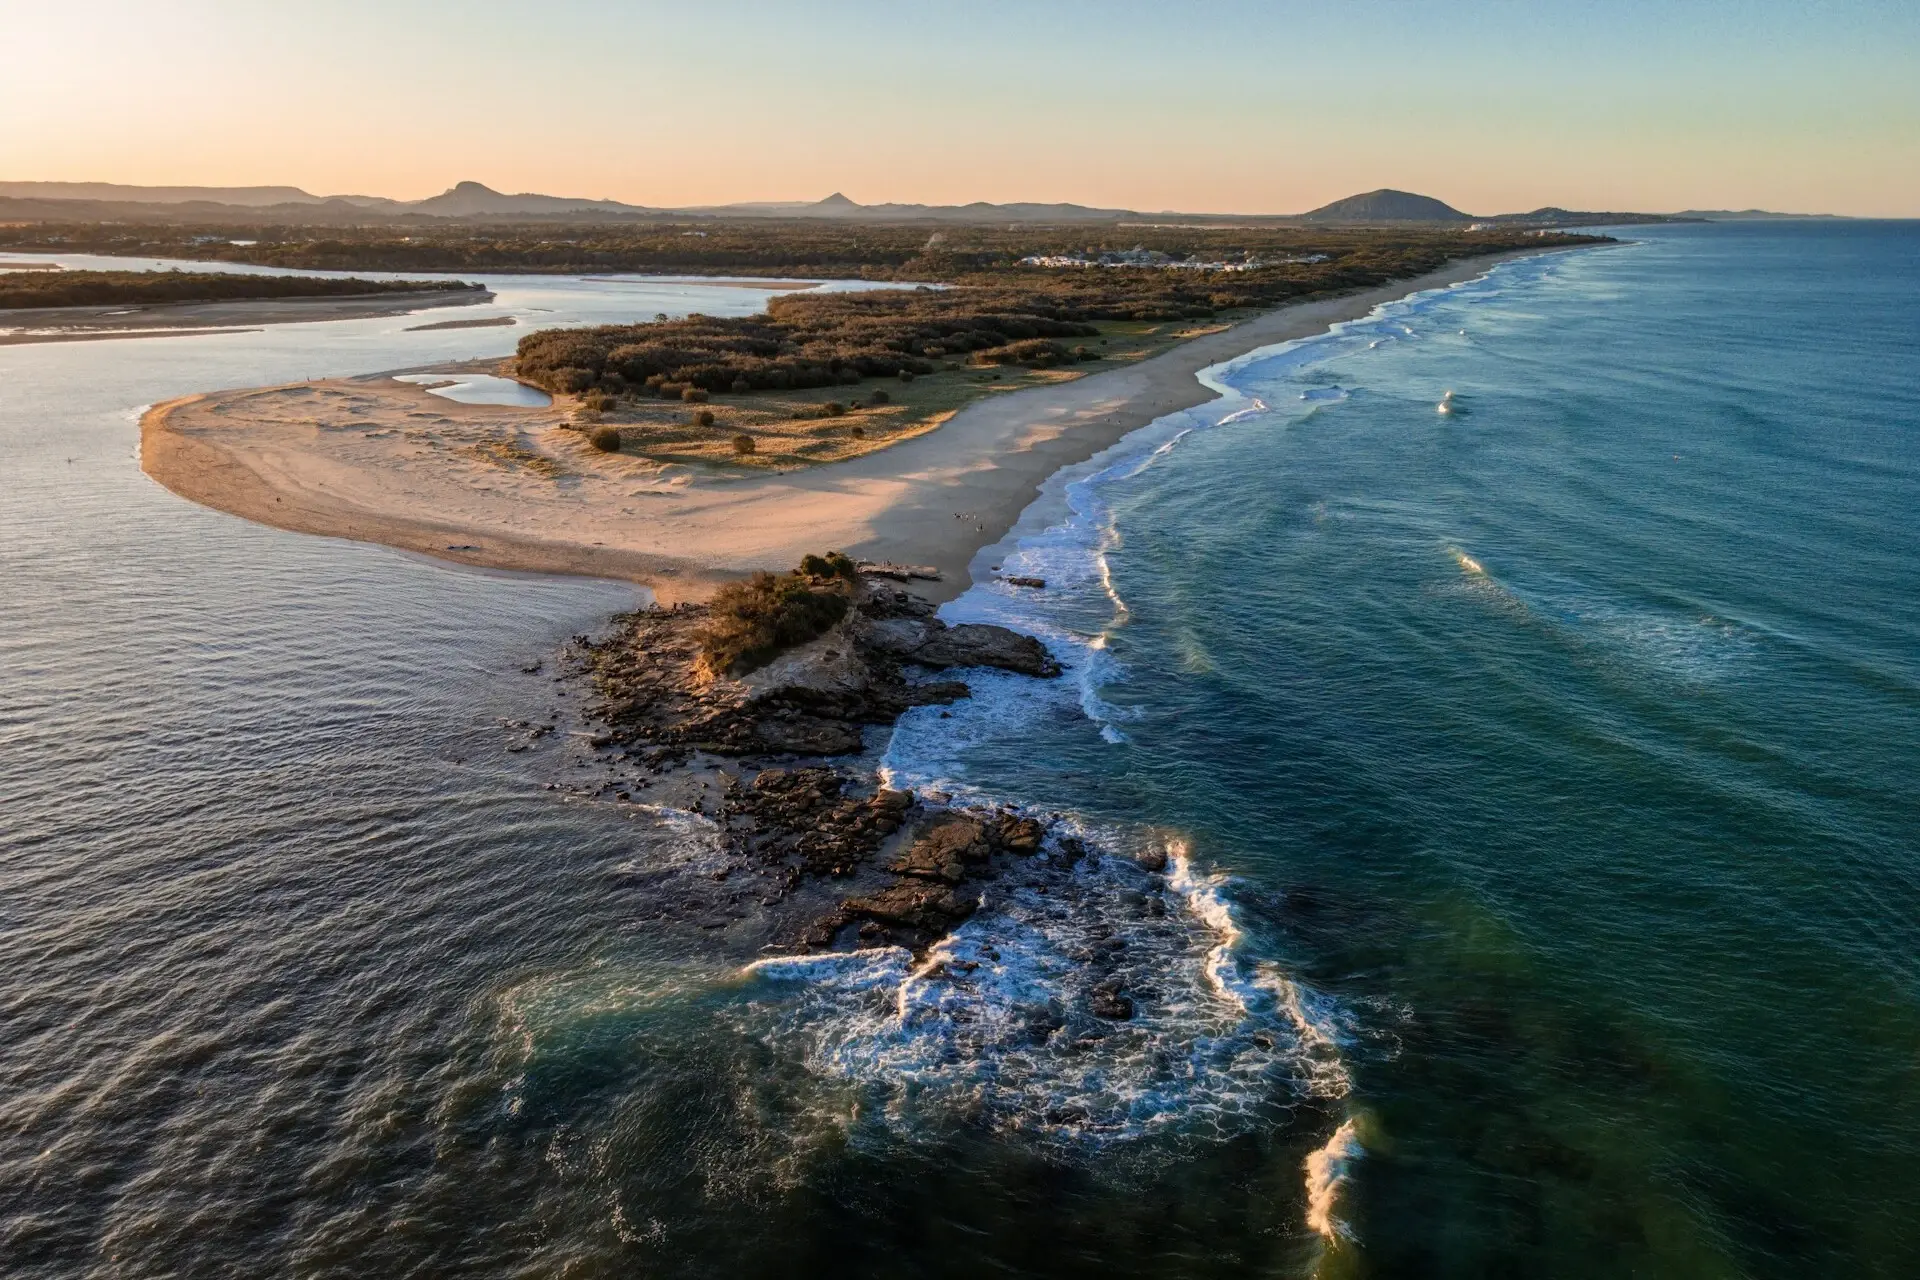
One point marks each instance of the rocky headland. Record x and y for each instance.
(773, 756)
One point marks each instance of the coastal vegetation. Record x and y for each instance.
(1259, 256)
(993, 311)
(25, 289)
(775, 429)
(821, 340)
(752, 621)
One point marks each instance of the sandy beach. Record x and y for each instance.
(79, 324)
(377, 460)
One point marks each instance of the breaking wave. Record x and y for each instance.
(1327, 1173)
(1011, 1021)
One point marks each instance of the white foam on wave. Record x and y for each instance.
(1328, 1170)
(1253, 410)
(996, 1027)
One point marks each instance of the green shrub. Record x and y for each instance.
(1034, 353)
(858, 433)
(879, 397)
(740, 386)
(833, 408)
(743, 443)
(694, 395)
(751, 622)
(831, 565)
(605, 439)
(704, 418)
(906, 375)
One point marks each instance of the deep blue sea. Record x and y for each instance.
(1523, 684)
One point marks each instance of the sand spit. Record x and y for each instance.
(68, 324)
(485, 322)
(110, 335)
(511, 487)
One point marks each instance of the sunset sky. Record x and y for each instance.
(1237, 107)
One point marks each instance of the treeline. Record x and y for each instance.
(1020, 316)
(803, 340)
(21, 289)
(801, 247)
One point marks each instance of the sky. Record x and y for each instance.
(1192, 105)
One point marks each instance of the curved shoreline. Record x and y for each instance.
(936, 499)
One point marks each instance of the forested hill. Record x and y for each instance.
(1386, 205)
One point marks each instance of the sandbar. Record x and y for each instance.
(511, 487)
(65, 324)
(485, 322)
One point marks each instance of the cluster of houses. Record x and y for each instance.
(1144, 257)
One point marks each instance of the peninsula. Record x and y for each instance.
(683, 504)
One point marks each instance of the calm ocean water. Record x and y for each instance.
(1541, 780)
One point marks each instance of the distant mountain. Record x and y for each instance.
(1555, 217)
(1748, 215)
(246, 197)
(839, 206)
(101, 201)
(343, 212)
(1386, 205)
(473, 199)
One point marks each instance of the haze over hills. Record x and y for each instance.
(477, 200)
(120, 192)
(102, 201)
(1751, 215)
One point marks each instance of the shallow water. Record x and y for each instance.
(477, 388)
(1537, 778)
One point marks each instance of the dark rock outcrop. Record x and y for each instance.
(814, 699)
(810, 823)
(802, 820)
